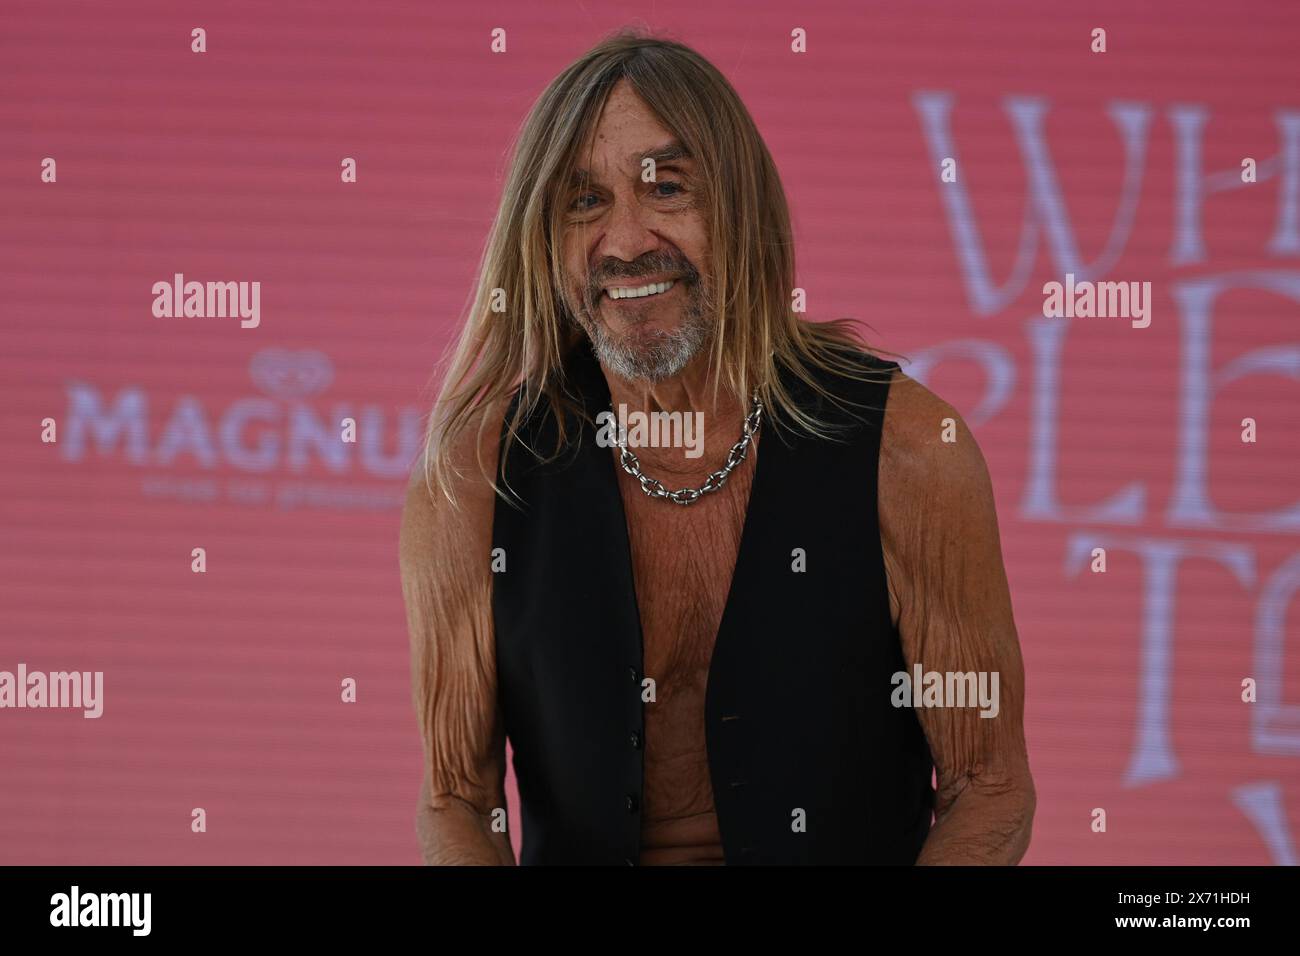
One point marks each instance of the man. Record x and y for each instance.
(699, 659)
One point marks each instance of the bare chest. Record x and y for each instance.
(683, 559)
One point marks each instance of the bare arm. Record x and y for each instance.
(949, 597)
(446, 583)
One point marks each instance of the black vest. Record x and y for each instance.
(797, 708)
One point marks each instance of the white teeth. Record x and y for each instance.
(639, 292)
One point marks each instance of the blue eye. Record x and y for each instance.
(675, 187)
(578, 204)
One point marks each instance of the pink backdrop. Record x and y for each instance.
(222, 690)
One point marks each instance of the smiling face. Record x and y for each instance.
(635, 252)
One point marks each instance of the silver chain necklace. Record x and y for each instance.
(654, 488)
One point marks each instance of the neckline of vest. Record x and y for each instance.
(770, 454)
(771, 459)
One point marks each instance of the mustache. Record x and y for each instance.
(677, 266)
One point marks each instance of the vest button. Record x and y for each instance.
(629, 861)
(631, 803)
(636, 740)
(631, 669)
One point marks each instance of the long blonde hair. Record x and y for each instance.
(751, 249)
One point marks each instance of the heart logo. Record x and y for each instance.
(288, 374)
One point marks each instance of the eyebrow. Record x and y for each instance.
(667, 153)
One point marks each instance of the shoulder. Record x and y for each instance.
(928, 456)
(450, 510)
(938, 521)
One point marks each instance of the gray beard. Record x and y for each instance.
(665, 354)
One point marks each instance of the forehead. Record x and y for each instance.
(626, 131)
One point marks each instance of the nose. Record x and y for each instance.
(627, 232)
